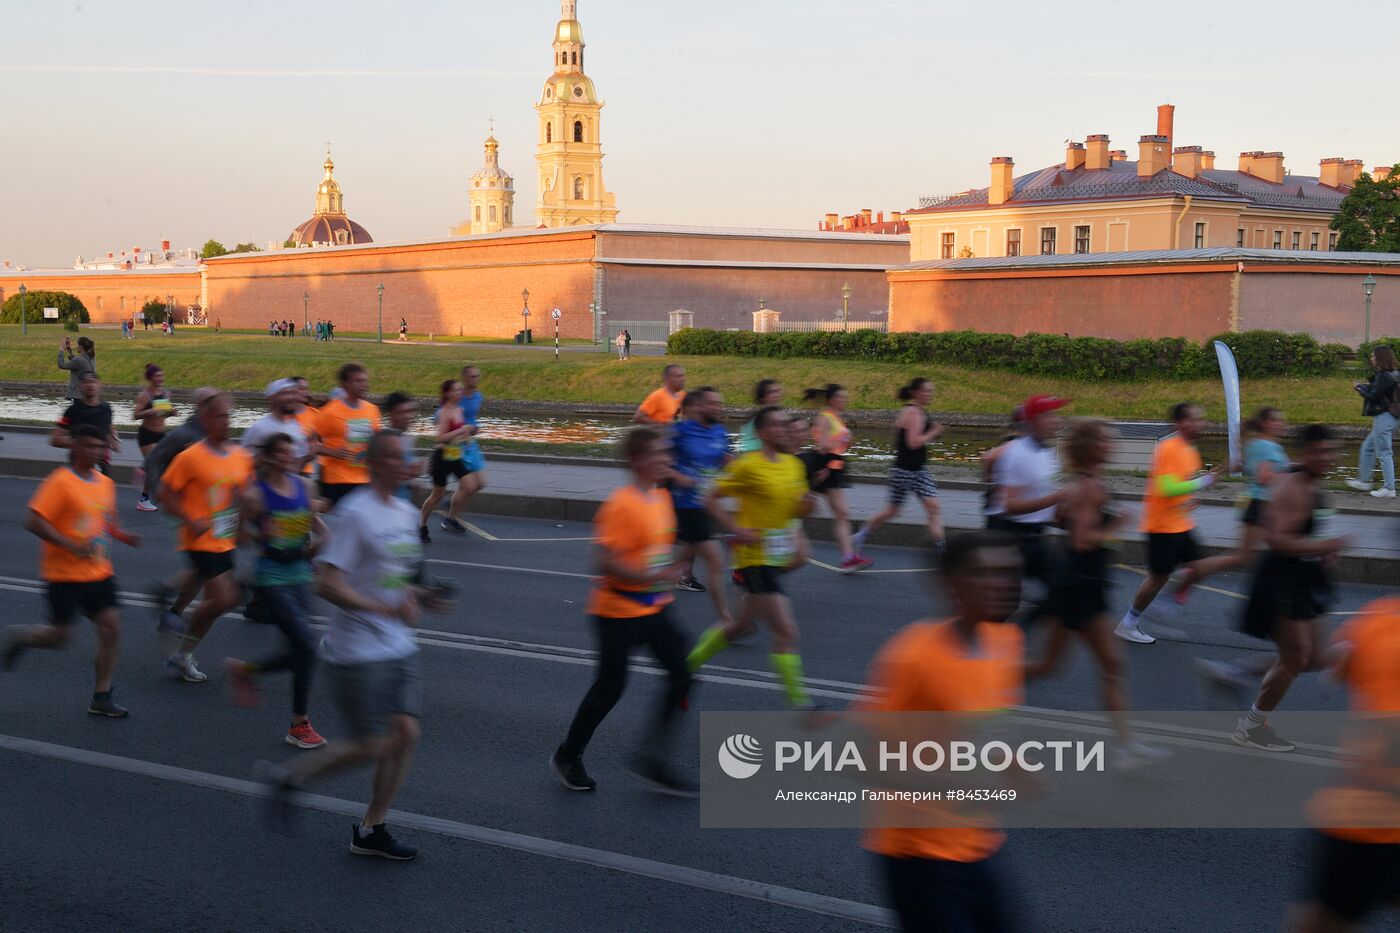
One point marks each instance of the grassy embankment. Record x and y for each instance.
(193, 358)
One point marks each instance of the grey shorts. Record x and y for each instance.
(919, 482)
(369, 693)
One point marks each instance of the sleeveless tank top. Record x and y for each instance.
(838, 435)
(907, 457)
(286, 525)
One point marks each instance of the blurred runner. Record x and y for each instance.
(345, 426)
(767, 393)
(826, 468)
(400, 409)
(914, 430)
(283, 404)
(88, 409)
(1026, 486)
(153, 409)
(702, 450)
(471, 402)
(663, 405)
(452, 432)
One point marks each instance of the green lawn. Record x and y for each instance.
(194, 357)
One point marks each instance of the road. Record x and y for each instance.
(147, 822)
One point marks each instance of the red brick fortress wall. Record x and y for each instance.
(112, 295)
(1330, 305)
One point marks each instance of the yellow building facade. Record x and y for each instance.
(491, 196)
(1100, 201)
(569, 152)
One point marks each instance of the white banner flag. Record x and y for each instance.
(1230, 376)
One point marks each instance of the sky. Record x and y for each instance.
(129, 122)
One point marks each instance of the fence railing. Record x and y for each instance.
(646, 333)
(829, 326)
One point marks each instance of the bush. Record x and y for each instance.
(69, 307)
(1363, 352)
(1258, 353)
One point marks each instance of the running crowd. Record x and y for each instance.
(322, 500)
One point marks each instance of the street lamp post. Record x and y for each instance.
(846, 306)
(170, 309)
(305, 320)
(525, 316)
(23, 318)
(381, 313)
(1368, 285)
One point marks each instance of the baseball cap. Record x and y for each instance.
(1040, 404)
(279, 385)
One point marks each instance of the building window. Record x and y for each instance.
(1332, 241)
(1312, 241)
(123, 303)
(478, 213)
(1081, 238)
(578, 131)
(578, 188)
(1239, 237)
(505, 218)
(1013, 242)
(549, 132)
(1200, 235)
(1047, 241)
(948, 242)
(574, 57)
(1297, 239)
(491, 213)
(1278, 239)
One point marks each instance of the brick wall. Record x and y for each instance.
(109, 296)
(1329, 305)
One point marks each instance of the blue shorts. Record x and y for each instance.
(473, 459)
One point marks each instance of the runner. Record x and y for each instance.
(447, 461)
(630, 604)
(702, 450)
(914, 430)
(475, 480)
(74, 515)
(663, 405)
(1026, 493)
(185, 586)
(153, 407)
(278, 515)
(370, 573)
(771, 488)
(1264, 462)
(826, 468)
(1078, 601)
(1291, 589)
(200, 490)
(283, 401)
(766, 393)
(1356, 867)
(88, 409)
(1015, 429)
(306, 417)
(345, 426)
(400, 409)
(951, 878)
(1172, 481)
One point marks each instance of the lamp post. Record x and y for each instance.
(170, 309)
(1368, 285)
(846, 306)
(23, 318)
(305, 320)
(525, 316)
(381, 312)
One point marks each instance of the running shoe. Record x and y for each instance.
(423, 536)
(858, 540)
(380, 843)
(1133, 633)
(302, 735)
(570, 773)
(146, 505)
(13, 649)
(242, 684)
(855, 562)
(690, 585)
(1358, 485)
(279, 796)
(1382, 493)
(103, 705)
(182, 667)
(451, 524)
(1137, 754)
(1262, 737)
(659, 778)
(737, 578)
(1226, 674)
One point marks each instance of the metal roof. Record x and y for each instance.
(136, 269)
(1216, 254)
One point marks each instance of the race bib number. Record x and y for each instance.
(451, 452)
(401, 559)
(658, 557)
(779, 546)
(1325, 524)
(161, 404)
(704, 484)
(357, 435)
(225, 524)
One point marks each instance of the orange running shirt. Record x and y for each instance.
(639, 529)
(661, 406)
(78, 508)
(344, 428)
(926, 667)
(307, 419)
(1163, 514)
(208, 484)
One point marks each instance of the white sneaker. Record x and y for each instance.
(182, 666)
(858, 540)
(1358, 485)
(146, 505)
(1383, 493)
(1133, 634)
(1137, 754)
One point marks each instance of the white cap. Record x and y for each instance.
(279, 385)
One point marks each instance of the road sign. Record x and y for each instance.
(556, 314)
(50, 314)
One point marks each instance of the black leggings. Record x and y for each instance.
(289, 608)
(938, 896)
(616, 638)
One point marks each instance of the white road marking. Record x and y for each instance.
(482, 835)
(539, 570)
(1211, 589)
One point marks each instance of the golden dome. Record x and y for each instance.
(576, 87)
(569, 32)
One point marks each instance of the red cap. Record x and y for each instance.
(1040, 404)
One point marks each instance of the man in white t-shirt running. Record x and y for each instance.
(370, 573)
(283, 403)
(1026, 491)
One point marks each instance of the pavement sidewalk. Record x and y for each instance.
(566, 489)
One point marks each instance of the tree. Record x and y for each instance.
(70, 309)
(245, 248)
(1369, 218)
(154, 310)
(211, 249)
(965, 252)
(289, 244)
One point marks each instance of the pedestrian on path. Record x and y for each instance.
(619, 345)
(403, 330)
(1173, 480)
(74, 515)
(371, 572)
(626, 344)
(83, 361)
(1380, 400)
(663, 405)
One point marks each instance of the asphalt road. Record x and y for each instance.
(148, 823)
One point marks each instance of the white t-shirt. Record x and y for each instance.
(375, 545)
(1030, 467)
(269, 424)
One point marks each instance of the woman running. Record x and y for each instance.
(768, 392)
(826, 468)
(279, 516)
(914, 430)
(153, 407)
(1264, 461)
(1078, 600)
(447, 460)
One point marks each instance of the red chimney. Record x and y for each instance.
(165, 246)
(1165, 114)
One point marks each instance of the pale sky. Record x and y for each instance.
(126, 122)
